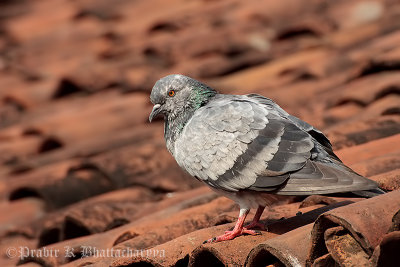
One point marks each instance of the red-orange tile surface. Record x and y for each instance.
(80, 166)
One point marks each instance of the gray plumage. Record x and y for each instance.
(245, 145)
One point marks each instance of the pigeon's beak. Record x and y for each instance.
(156, 110)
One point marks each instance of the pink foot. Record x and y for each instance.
(229, 235)
(239, 230)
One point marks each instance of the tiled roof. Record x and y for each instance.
(81, 166)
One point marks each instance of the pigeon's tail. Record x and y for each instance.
(364, 193)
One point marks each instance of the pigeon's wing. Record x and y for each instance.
(235, 143)
(315, 133)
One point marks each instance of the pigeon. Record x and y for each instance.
(247, 148)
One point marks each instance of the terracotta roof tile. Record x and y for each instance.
(18, 214)
(359, 132)
(357, 224)
(80, 165)
(172, 208)
(290, 249)
(362, 152)
(14, 241)
(386, 253)
(388, 180)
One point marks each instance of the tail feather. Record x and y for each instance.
(318, 178)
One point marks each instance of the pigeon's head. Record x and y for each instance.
(177, 94)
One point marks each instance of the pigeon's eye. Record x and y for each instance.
(171, 92)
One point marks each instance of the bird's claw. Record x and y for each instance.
(211, 240)
(229, 235)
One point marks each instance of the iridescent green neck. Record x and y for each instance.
(200, 96)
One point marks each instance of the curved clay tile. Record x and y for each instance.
(355, 224)
(80, 164)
